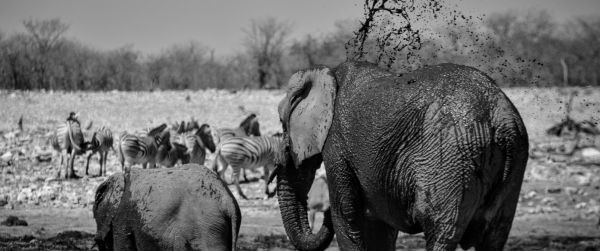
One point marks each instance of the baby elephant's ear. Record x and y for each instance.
(307, 111)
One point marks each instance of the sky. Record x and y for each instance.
(151, 26)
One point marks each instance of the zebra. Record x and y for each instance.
(248, 127)
(142, 149)
(101, 142)
(185, 127)
(68, 140)
(197, 142)
(188, 146)
(250, 153)
(169, 153)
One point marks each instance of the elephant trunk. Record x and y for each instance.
(292, 195)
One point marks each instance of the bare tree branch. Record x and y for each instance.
(265, 43)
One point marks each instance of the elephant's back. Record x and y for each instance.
(188, 203)
(435, 97)
(191, 182)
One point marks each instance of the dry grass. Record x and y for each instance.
(137, 110)
(539, 107)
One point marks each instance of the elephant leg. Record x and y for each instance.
(495, 236)
(497, 230)
(449, 216)
(124, 240)
(441, 236)
(105, 241)
(378, 235)
(346, 206)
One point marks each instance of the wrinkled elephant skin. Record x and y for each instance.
(185, 208)
(440, 150)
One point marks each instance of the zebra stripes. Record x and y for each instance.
(169, 154)
(101, 142)
(187, 147)
(136, 149)
(68, 141)
(249, 153)
(197, 143)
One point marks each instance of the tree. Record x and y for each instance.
(179, 67)
(326, 50)
(307, 49)
(265, 43)
(46, 35)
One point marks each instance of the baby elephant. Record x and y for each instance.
(188, 208)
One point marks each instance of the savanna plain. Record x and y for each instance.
(559, 206)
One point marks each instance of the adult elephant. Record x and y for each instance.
(440, 150)
(185, 208)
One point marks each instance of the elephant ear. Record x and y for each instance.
(307, 112)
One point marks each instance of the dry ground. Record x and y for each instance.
(558, 210)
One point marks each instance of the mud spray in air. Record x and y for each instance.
(402, 36)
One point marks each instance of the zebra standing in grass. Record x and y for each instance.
(248, 127)
(249, 153)
(101, 142)
(68, 141)
(142, 149)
